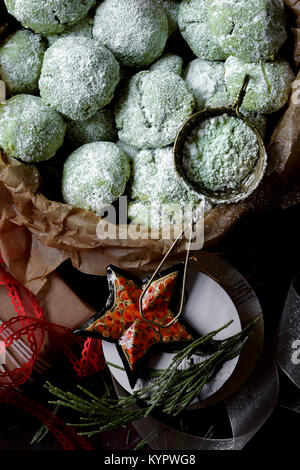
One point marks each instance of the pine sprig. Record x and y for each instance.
(42, 431)
(171, 393)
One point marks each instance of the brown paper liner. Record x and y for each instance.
(56, 232)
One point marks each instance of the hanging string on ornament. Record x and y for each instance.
(140, 314)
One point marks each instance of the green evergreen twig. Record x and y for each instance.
(173, 391)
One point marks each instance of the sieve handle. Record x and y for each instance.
(241, 94)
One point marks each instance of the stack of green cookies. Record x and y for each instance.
(103, 84)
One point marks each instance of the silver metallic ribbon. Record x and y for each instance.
(254, 397)
(248, 409)
(287, 351)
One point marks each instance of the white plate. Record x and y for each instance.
(208, 308)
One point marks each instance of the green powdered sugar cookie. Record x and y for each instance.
(21, 58)
(29, 130)
(100, 127)
(269, 86)
(193, 25)
(136, 32)
(154, 179)
(48, 16)
(151, 108)
(156, 215)
(95, 175)
(206, 80)
(251, 30)
(167, 62)
(83, 28)
(221, 152)
(171, 8)
(79, 76)
(130, 151)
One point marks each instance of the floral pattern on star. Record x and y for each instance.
(122, 322)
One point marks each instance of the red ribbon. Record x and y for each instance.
(66, 436)
(31, 326)
(30, 323)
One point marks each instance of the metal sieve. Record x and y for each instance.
(250, 182)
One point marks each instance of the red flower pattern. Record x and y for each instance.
(123, 321)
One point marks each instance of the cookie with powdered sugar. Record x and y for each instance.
(84, 28)
(100, 127)
(169, 61)
(48, 16)
(157, 215)
(151, 108)
(171, 8)
(269, 87)
(136, 32)
(206, 81)
(154, 179)
(193, 25)
(130, 151)
(251, 30)
(21, 58)
(79, 76)
(95, 175)
(29, 130)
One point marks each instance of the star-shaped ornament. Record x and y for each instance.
(120, 321)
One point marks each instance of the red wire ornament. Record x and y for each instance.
(30, 327)
(30, 324)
